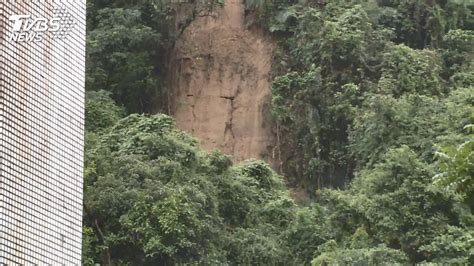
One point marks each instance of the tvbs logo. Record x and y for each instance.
(26, 28)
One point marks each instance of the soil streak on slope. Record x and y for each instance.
(219, 83)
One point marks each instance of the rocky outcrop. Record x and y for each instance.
(219, 84)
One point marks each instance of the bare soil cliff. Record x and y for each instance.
(219, 83)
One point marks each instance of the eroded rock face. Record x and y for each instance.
(219, 83)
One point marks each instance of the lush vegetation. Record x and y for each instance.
(373, 99)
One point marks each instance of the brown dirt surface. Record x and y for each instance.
(219, 82)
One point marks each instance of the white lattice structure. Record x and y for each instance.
(41, 132)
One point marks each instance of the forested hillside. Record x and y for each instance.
(372, 107)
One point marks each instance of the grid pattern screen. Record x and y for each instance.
(41, 131)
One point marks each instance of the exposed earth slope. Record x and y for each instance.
(219, 80)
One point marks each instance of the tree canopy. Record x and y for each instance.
(374, 103)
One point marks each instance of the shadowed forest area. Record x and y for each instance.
(370, 157)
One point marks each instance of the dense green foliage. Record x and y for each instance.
(127, 43)
(346, 78)
(373, 100)
(123, 48)
(161, 200)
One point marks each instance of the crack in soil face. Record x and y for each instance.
(219, 80)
